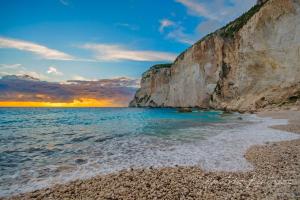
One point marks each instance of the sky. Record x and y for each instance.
(95, 40)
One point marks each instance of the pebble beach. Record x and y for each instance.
(276, 175)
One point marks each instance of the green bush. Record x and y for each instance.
(231, 28)
(159, 66)
(155, 67)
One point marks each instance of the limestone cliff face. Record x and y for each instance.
(249, 64)
(154, 87)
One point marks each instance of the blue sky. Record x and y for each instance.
(59, 40)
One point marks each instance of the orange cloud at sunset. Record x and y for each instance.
(24, 91)
(75, 103)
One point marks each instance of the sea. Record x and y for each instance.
(40, 147)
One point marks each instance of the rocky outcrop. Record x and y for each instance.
(251, 63)
(154, 87)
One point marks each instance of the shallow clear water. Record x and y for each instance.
(41, 146)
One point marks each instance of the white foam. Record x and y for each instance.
(221, 152)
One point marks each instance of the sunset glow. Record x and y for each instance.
(83, 102)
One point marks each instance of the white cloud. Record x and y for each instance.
(18, 69)
(196, 8)
(52, 70)
(37, 49)
(32, 74)
(125, 81)
(218, 10)
(213, 15)
(64, 2)
(179, 35)
(106, 52)
(208, 26)
(164, 23)
(10, 66)
(176, 32)
(4, 73)
(128, 26)
(80, 78)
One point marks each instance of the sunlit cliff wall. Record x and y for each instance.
(251, 63)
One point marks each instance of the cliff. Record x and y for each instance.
(251, 63)
(154, 87)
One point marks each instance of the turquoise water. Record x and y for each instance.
(41, 146)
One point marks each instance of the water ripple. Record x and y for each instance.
(39, 147)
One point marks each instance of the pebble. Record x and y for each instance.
(275, 176)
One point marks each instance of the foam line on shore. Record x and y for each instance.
(222, 152)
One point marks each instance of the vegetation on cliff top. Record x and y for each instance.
(156, 67)
(229, 30)
(159, 66)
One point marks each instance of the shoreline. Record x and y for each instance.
(276, 175)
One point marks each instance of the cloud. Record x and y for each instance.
(28, 89)
(106, 52)
(164, 23)
(52, 70)
(32, 74)
(212, 15)
(20, 70)
(128, 26)
(224, 11)
(64, 2)
(217, 10)
(78, 77)
(196, 8)
(178, 34)
(42, 51)
(208, 26)
(10, 66)
(112, 82)
(4, 73)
